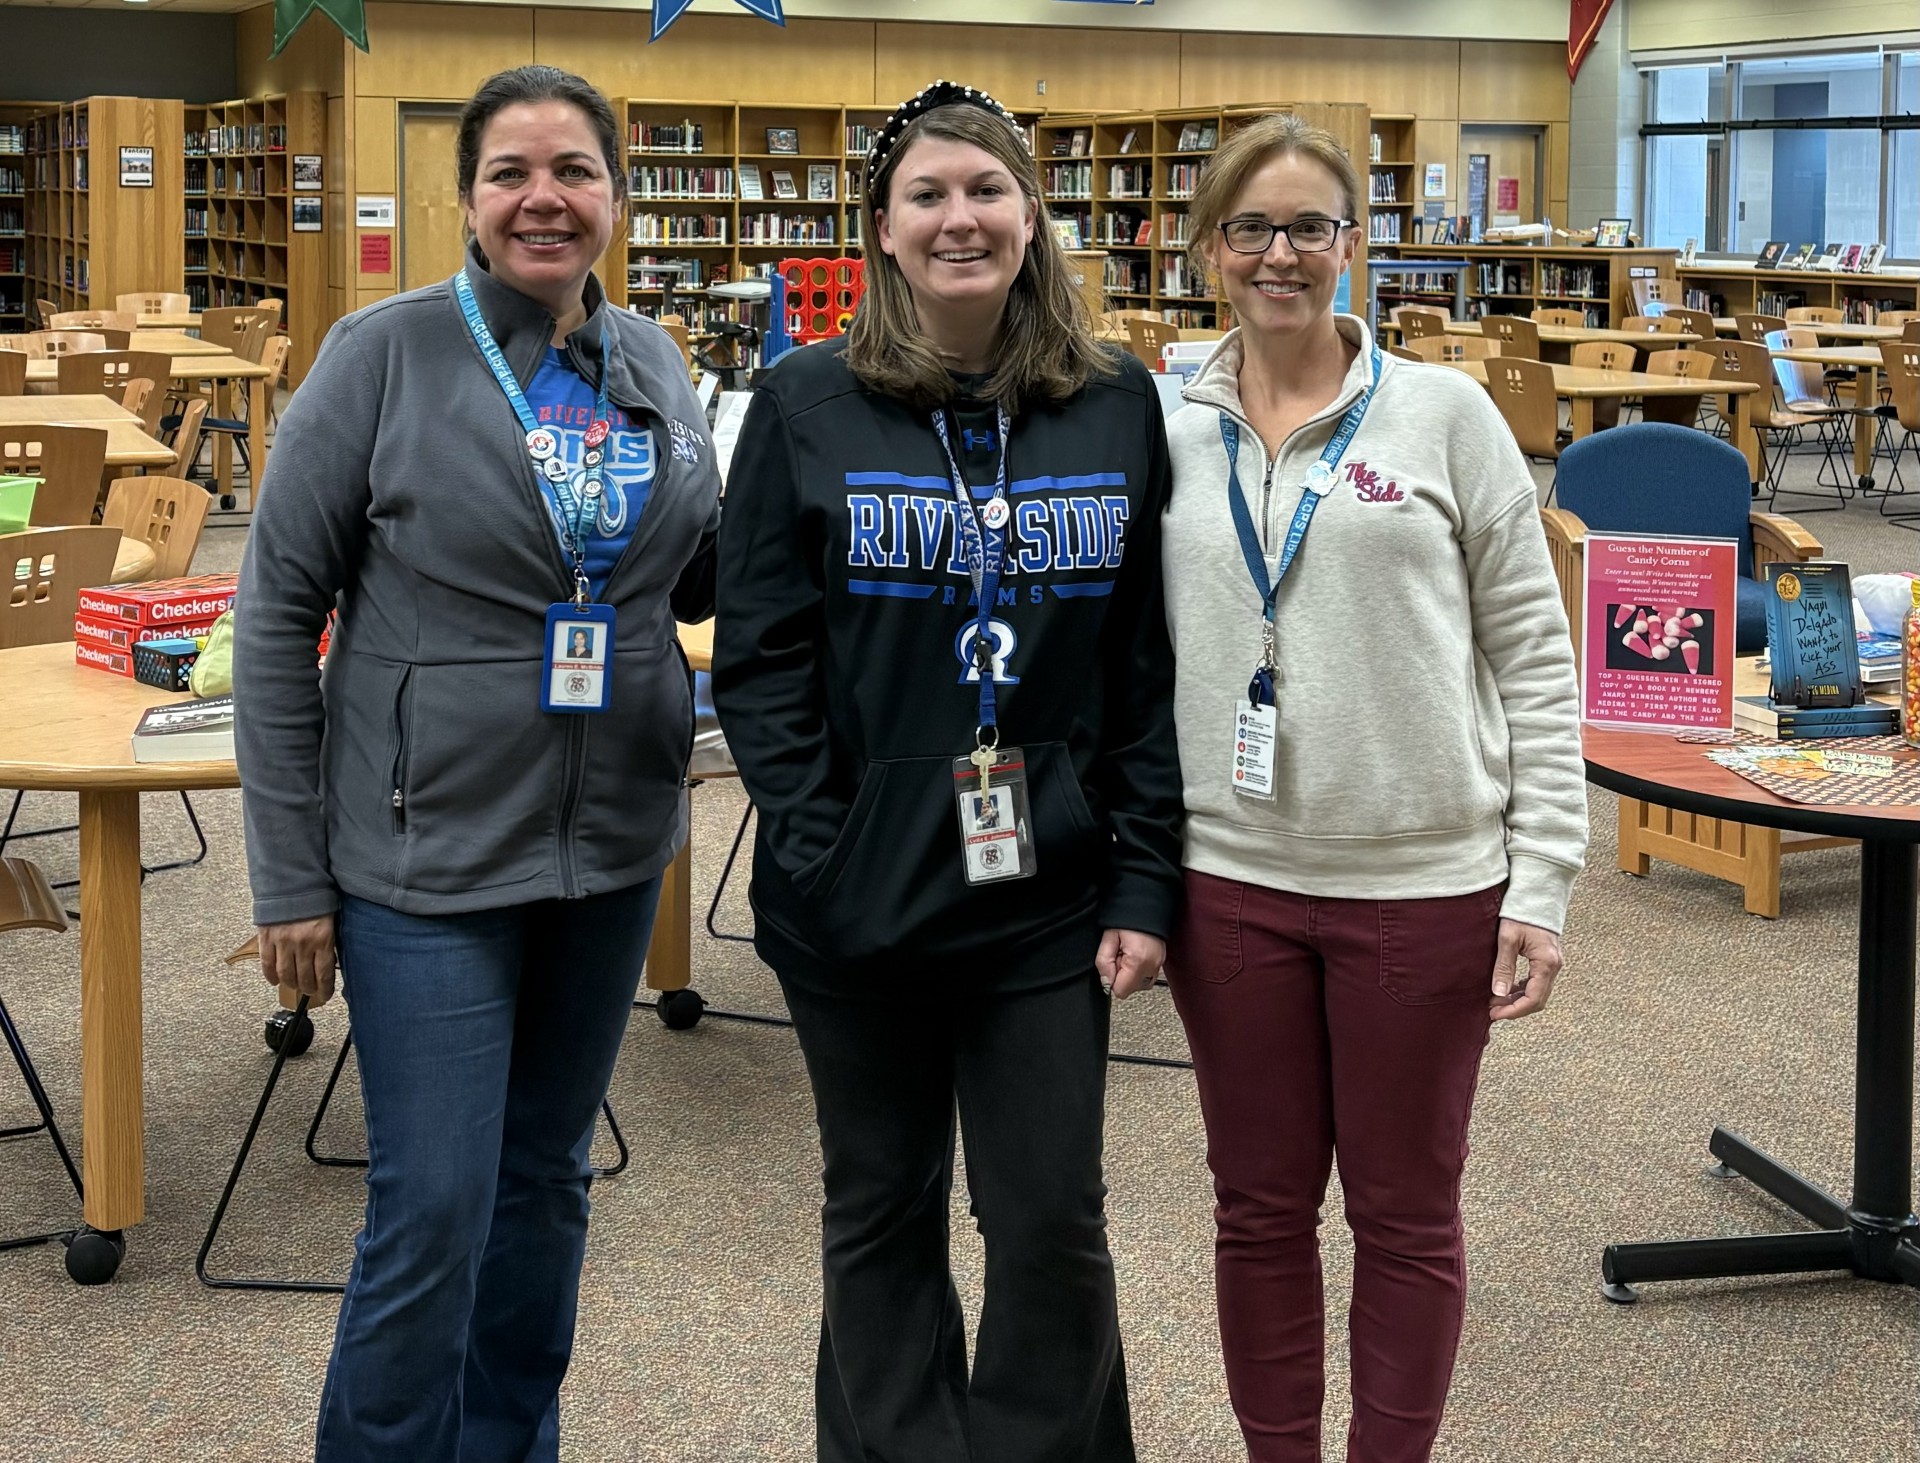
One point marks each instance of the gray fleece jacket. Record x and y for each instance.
(420, 771)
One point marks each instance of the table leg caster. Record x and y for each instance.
(1620, 1295)
(1866, 483)
(229, 502)
(1720, 1171)
(680, 1010)
(94, 1255)
(291, 1030)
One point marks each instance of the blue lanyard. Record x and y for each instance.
(984, 548)
(573, 512)
(1319, 481)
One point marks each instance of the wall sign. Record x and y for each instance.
(1657, 632)
(376, 253)
(1436, 186)
(307, 215)
(372, 212)
(306, 173)
(136, 167)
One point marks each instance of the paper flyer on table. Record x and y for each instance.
(1657, 627)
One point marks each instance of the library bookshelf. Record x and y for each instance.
(1393, 178)
(1738, 289)
(1517, 280)
(251, 225)
(103, 185)
(16, 308)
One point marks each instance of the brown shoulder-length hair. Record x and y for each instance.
(1241, 156)
(1046, 351)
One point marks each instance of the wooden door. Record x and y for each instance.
(433, 226)
(1512, 152)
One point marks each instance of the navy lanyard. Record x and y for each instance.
(573, 512)
(983, 545)
(1319, 481)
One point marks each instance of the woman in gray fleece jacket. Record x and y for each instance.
(1381, 764)
(507, 489)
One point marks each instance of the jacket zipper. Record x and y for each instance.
(399, 799)
(572, 787)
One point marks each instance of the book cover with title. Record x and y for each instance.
(1657, 623)
(1810, 636)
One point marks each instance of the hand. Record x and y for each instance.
(299, 956)
(1514, 997)
(1129, 961)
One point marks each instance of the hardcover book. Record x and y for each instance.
(1770, 256)
(1810, 637)
(1800, 256)
(186, 731)
(1829, 257)
(1768, 717)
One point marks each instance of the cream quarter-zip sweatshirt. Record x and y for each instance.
(1428, 729)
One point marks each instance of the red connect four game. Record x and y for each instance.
(821, 296)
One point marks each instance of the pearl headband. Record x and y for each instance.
(940, 94)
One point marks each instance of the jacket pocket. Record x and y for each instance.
(402, 707)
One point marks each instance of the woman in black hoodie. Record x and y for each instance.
(942, 666)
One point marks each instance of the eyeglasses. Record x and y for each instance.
(1304, 235)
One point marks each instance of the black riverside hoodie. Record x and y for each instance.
(844, 677)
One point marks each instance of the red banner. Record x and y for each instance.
(1583, 28)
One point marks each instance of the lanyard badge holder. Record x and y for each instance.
(576, 657)
(990, 783)
(1256, 719)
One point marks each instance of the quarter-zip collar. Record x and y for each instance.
(1217, 383)
(523, 328)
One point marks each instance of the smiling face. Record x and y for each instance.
(1282, 290)
(957, 224)
(543, 204)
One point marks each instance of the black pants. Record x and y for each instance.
(1029, 1072)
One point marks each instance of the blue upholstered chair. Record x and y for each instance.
(1657, 478)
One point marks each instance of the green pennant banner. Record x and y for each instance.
(290, 15)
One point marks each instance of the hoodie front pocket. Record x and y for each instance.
(858, 816)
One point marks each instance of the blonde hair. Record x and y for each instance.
(1046, 352)
(1241, 156)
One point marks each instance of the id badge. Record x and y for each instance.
(1255, 729)
(577, 670)
(996, 833)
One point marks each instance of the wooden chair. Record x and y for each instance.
(47, 310)
(1146, 337)
(674, 328)
(116, 340)
(1405, 354)
(1742, 360)
(274, 358)
(243, 330)
(1560, 319)
(1896, 317)
(1658, 290)
(68, 461)
(1910, 332)
(1651, 478)
(1805, 401)
(1523, 390)
(1690, 365)
(1518, 336)
(1755, 328)
(137, 396)
(106, 373)
(1453, 347)
(165, 513)
(27, 902)
(94, 320)
(1694, 322)
(1656, 325)
(153, 302)
(1418, 322)
(42, 572)
(13, 372)
(56, 343)
(1900, 371)
(1605, 355)
(1816, 315)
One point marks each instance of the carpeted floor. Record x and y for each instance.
(698, 1310)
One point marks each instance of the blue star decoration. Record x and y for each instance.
(666, 12)
(290, 15)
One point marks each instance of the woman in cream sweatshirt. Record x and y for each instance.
(1380, 752)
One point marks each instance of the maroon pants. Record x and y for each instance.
(1348, 1026)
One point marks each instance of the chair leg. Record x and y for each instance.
(726, 873)
(38, 1092)
(7, 835)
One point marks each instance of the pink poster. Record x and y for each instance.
(1657, 632)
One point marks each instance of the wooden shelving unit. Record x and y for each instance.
(1393, 179)
(1516, 280)
(93, 235)
(238, 231)
(15, 304)
(1735, 289)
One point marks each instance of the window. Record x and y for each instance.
(1731, 160)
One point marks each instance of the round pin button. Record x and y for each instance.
(596, 434)
(590, 488)
(594, 457)
(1319, 478)
(555, 469)
(995, 513)
(542, 444)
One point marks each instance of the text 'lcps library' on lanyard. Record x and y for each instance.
(573, 512)
(983, 544)
(1320, 478)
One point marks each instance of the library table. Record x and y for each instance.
(1865, 362)
(1846, 332)
(127, 445)
(65, 727)
(178, 320)
(1584, 385)
(1876, 1235)
(1566, 337)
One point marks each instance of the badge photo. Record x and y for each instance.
(577, 670)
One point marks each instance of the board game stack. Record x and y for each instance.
(113, 619)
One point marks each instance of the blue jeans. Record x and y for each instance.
(485, 1044)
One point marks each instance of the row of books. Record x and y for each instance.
(1068, 180)
(647, 273)
(1129, 180)
(1125, 276)
(1383, 187)
(684, 136)
(1178, 280)
(12, 180)
(1123, 229)
(13, 218)
(1503, 279)
(1583, 280)
(860, 138)
(667, 182)
(700, 318)
(787, 228)
(1182, 179)
(13, 137)
(1830, 258)
(1383, 228)
(13, 256)
(1176, 230)
(679, 228)
(256, 137)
